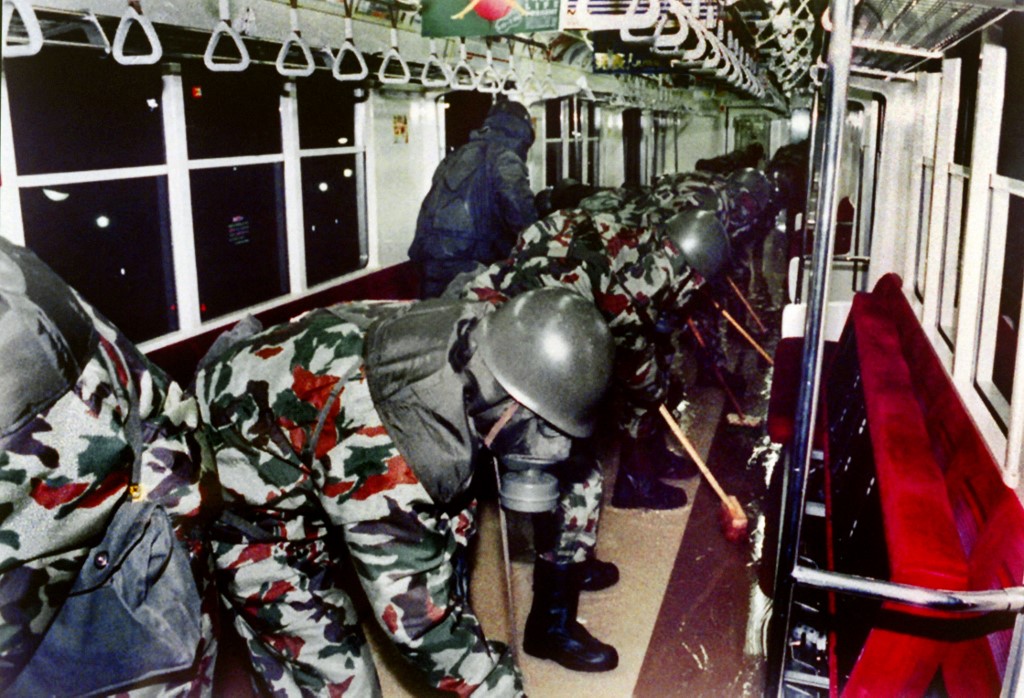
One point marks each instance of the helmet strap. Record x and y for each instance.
(500, 424)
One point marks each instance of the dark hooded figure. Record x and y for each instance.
(478, 202)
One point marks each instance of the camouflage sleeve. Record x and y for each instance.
(63, 473)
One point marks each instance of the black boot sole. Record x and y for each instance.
(569, 661)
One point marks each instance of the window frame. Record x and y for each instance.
(177, 169)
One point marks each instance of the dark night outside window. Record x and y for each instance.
(554, 164)
(331, 215)
(326, 112)
(238, 217)
(232, 114)
(75, 109)
(111, 242)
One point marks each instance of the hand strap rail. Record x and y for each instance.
(156, 50)
(462, 75)
(391, 55)
(222, 29)
(31, 22)
(435, 63)
(348, 47)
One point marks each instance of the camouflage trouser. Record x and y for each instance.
(300, 485)
(578, 512)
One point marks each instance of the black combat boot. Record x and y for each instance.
(637, 485)
(552, 631)
(594, 575)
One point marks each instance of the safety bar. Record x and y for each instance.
(487, 80)
(222, 29)
(581, 18)
(1009, 600)
(348, 47)
(156, 50)
(31, 22)
(390, 55)
(462, 68)
(295, 39)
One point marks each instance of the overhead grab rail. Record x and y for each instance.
(390, 56)
(348, 48)
(32, 29)
(487, 80)
(295, 39)
(462, 75)
(223, 29)
(582, 18)
(531, 85)
(130, 16)
(436, 63)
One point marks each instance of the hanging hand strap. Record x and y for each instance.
(223, 29)
(295, 39)
(31, 22)
(348, 47)
(133, 15)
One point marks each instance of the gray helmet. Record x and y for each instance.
(701, 240)
(552, 351)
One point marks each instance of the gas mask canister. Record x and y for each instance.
(527, 447)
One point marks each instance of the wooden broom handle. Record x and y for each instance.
(685, 443)
(739, 328)
(746, 303)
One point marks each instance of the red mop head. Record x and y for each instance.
(734, 520)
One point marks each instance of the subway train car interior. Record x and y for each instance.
(801, 227)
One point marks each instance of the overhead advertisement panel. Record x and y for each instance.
(490, 17)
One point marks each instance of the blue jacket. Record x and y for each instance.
(479, 201)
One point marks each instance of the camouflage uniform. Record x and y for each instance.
(64, 471)
(307, 464)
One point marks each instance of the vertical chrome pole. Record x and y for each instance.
(812, 148)
(837, 83)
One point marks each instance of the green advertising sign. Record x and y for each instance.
(489, 17)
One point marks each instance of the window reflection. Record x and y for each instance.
(111, 242)
(331, 214)
(239, 223)
(75, 109)
(232, 114)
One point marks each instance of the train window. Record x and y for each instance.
(330, 207)
(75, 109)
(923, 223)
(111, 241)
(232, 114)
(326, 112)
(239, 224)
(572, 138)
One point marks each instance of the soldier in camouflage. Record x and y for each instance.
(69, 382)
(633, 275)
(360, 428)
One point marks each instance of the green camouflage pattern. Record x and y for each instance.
(625, 269)
(306, 496)
(63, 474)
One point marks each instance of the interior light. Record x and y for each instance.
(54, 195)
(102, 221)
(343, 141)
(800, 125)
(347, 172)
